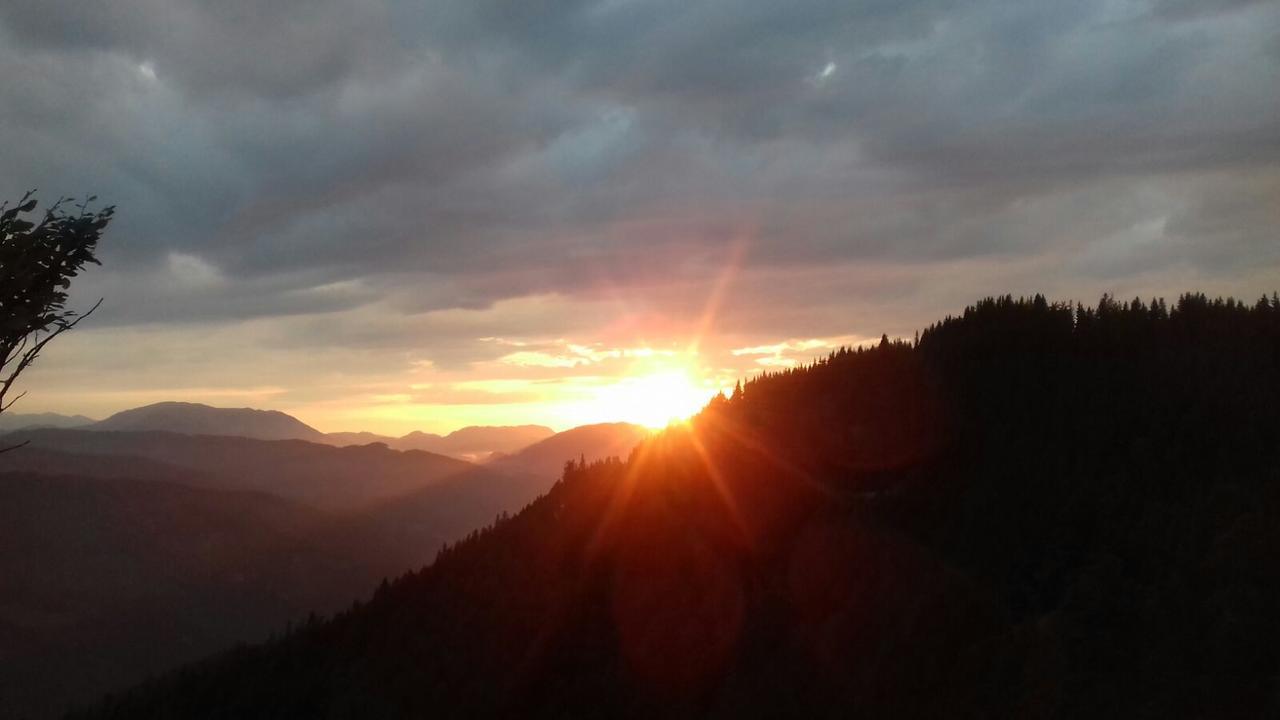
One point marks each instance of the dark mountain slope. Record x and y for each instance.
(106, 580)
(198, 419)
(546, 458)
(42, 461)
(408, 530)
(122, 571)
(1035, 512)
(340, 479)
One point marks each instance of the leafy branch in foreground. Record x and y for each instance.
(37, 261)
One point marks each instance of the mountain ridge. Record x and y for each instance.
(471, 443)
(592, 442)
(1036, 510)
(22, 421)
(317, 474)
(474, 443)
(200, 419)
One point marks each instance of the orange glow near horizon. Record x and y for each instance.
(631, 365)
(654, 400)
(566, 383)
(652, 388)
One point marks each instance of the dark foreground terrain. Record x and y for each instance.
(124, 554)
(1034, 511)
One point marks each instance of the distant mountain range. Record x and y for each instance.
(473, 443)
(547, 457)
(19, 421)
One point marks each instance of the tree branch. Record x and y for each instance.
(25, 359)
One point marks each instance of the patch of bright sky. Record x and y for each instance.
(790, 353)
(820, 78)
(576, 384)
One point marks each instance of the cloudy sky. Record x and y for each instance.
(395, 215)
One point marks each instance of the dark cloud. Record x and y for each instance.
(1189, 9)
(315, 158)
(280, 49)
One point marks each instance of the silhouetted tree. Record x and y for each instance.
(37, 261)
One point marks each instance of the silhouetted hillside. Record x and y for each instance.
(409, 529)
(197, 419)
(18, 421)
(43, 461)
(1036, 511)
(105, 581)
(592, 442)
(473, 443)
(477, 443)
(341, 479)
(113, 567)
(343, 439)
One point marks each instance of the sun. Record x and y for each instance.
(654, 400)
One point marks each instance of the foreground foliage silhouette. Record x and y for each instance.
(38, 259)
(1035, 510)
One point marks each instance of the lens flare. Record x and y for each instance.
(654, 400)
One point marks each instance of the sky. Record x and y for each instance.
(391, 216)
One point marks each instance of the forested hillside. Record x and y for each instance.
(1035, 510)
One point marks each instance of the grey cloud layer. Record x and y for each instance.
(288, 157)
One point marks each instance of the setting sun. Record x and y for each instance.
(653, 400)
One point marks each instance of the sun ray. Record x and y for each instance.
(745, 440)
(737, 249)
(719, 482)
